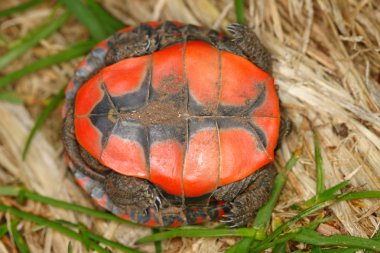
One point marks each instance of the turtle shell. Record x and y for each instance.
(189, 117)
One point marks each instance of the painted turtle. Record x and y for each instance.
(167, 124)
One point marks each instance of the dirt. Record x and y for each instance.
(157, 112)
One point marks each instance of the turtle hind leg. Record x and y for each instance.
(131, 193)
(251, 46)
(245, 204)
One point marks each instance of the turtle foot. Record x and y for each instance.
(244, 207)
(131, 193)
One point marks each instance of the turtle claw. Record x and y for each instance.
(157, 203)
(236, 29)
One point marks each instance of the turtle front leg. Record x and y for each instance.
(246, 196)
(251, 46)
(131, 193)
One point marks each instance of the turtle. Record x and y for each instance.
(172, 124)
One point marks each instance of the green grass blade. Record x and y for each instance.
(239, 11)
(341, 250)
(19, 241)
(10, 96)
(3, 230)
(375, 237)
(158, 244)
(294, 219)
(19, 8)
(50, 224)
(280, 248)
(279, 240)
(312, 237)
(359, 195)
(42, 117)
(246, 232)
(242, 246)
(69, 248)
(319, 166)
(87, 18)
(66, 55)
(111, 23)
(326, 194)
(40, 33)
(262, 220)
(263, 216)
(20, 192)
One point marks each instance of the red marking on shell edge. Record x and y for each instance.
(102, 201)
(126, 29)
(70, 86)
(240, 155)
(103, 44)
(124, 156)
(166, 161)
(126, 76)
(153, 24)
(239, 79)
(82, 182)
(201, 170)
(176, 23)
(175, 224)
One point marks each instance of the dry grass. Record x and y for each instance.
(326, 64)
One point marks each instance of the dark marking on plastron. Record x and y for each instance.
(249, 106)
(135, 100)
(198, 109)
(261, 136)
(103, 107)
(133, 130)
(255, 103)
(159, 133)
(199, 124)
(104, 125)
(239, 122)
